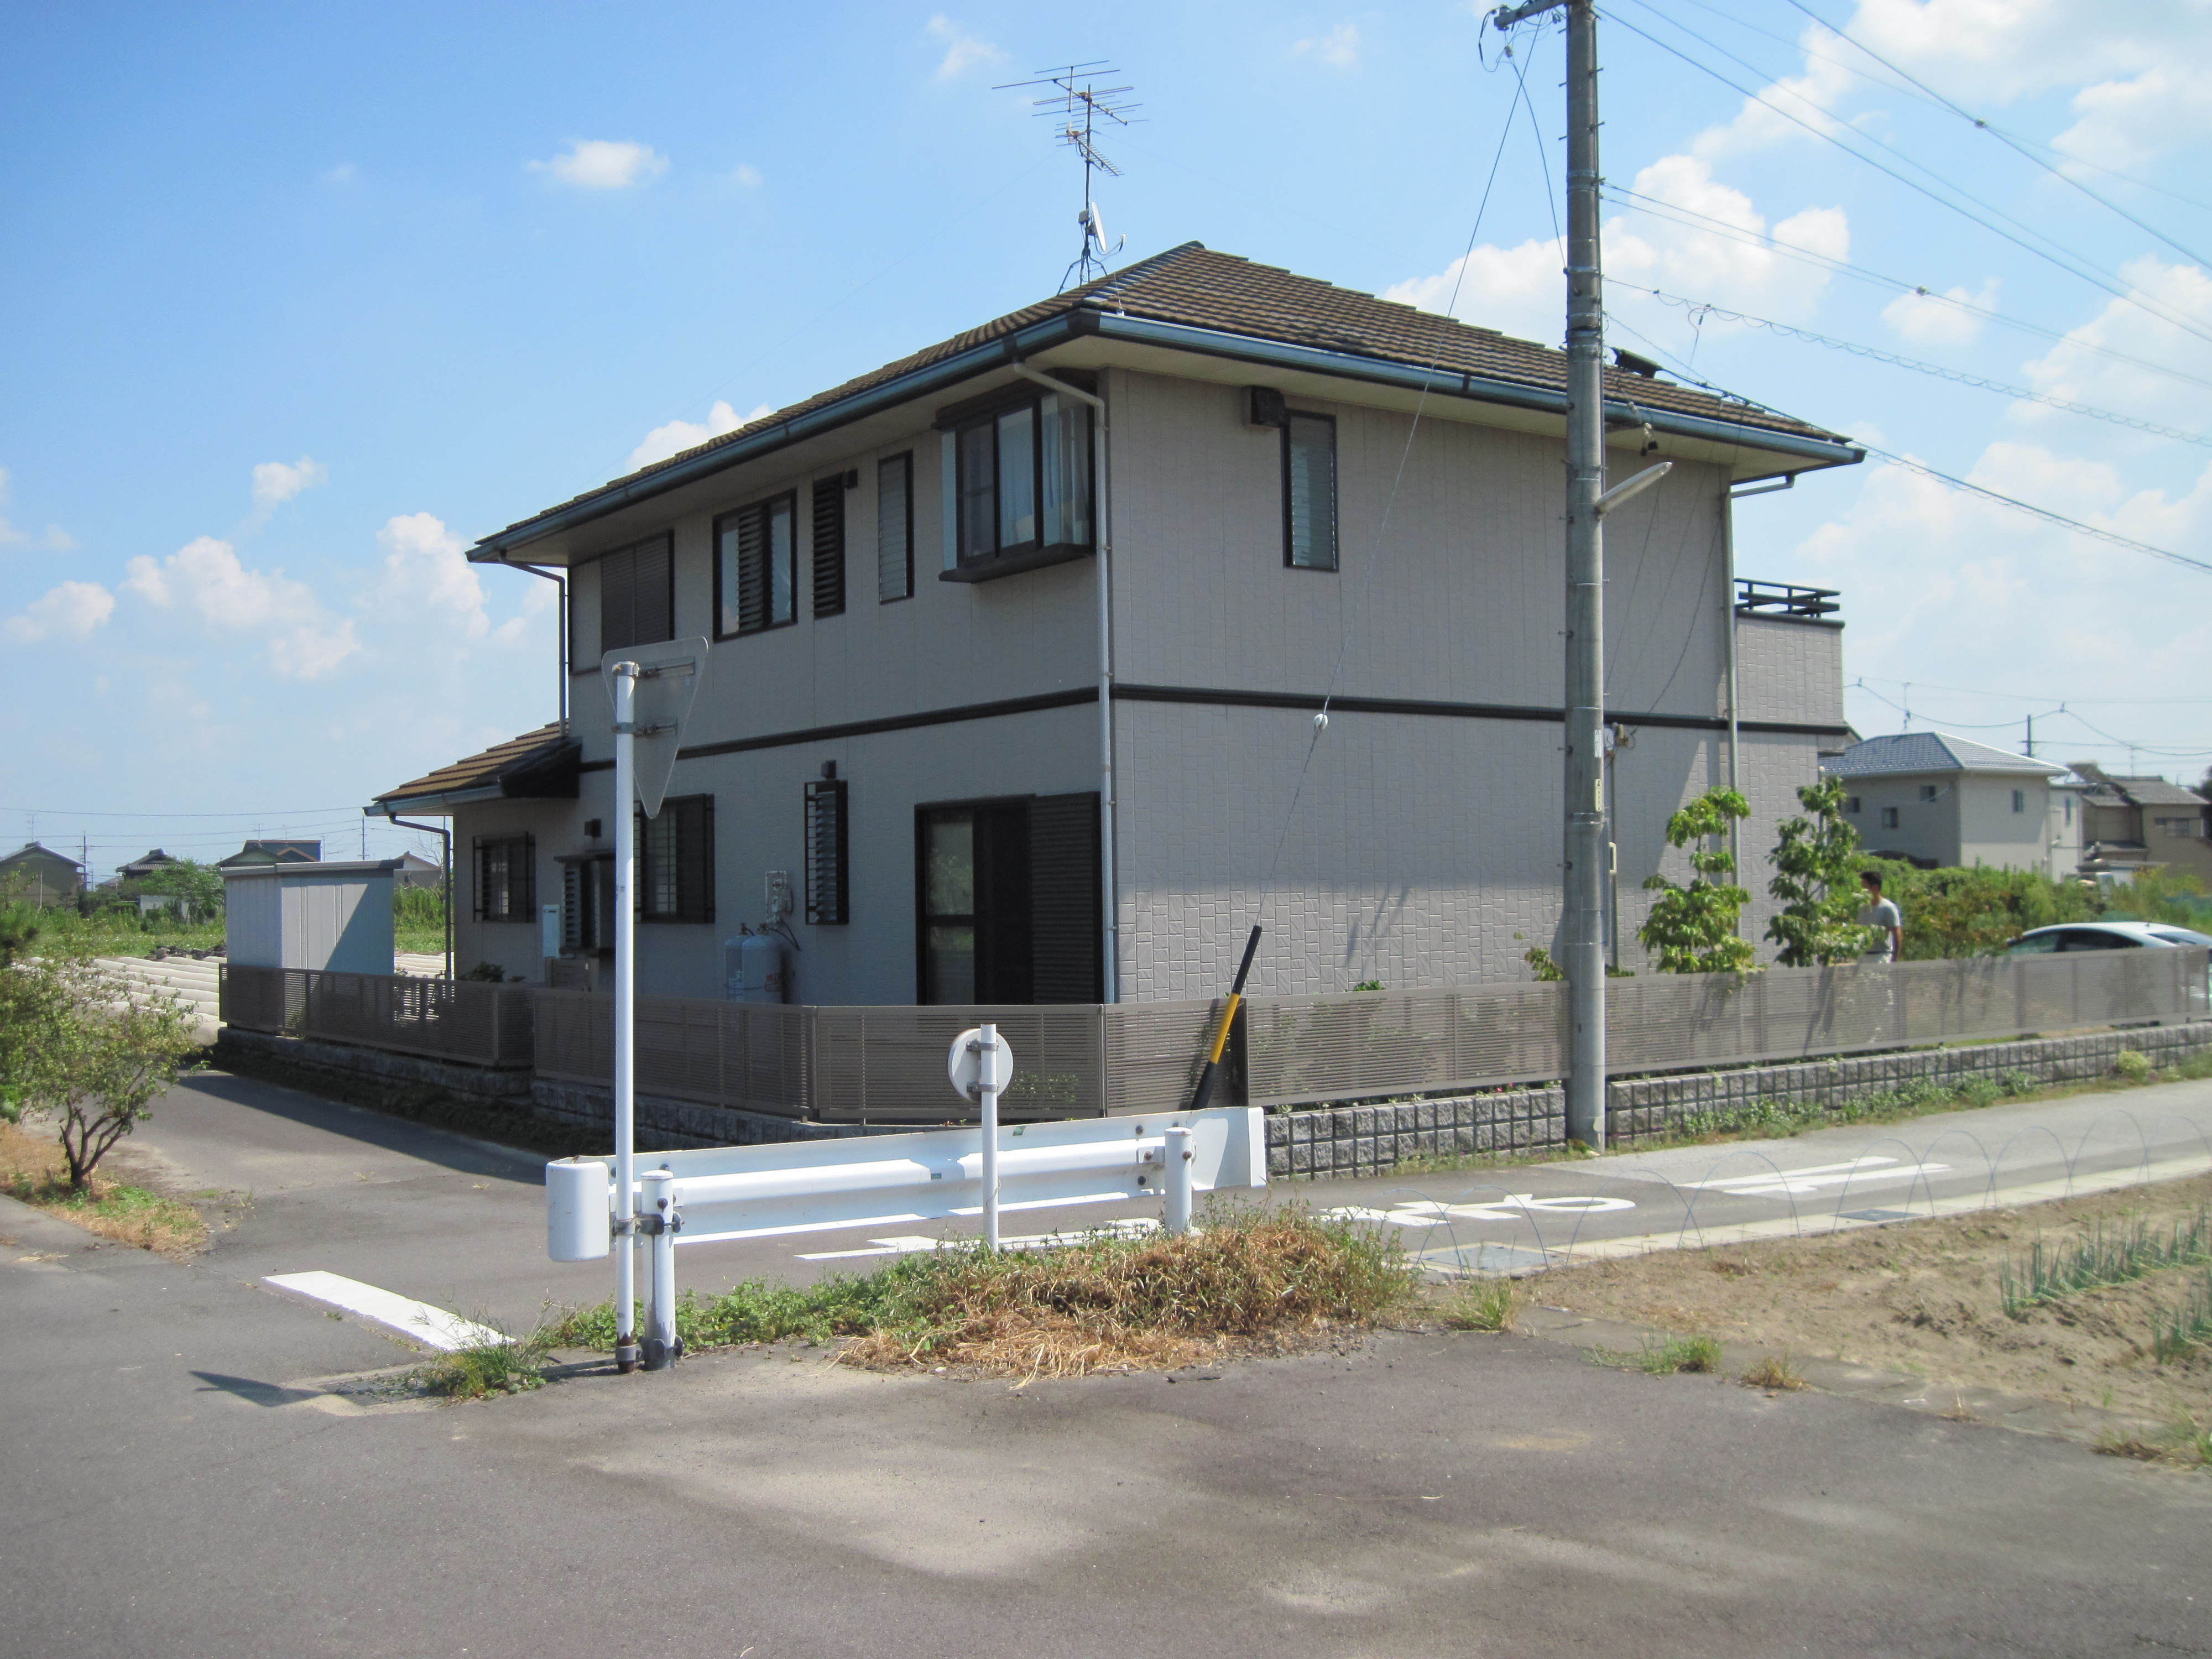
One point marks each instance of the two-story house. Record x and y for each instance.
(2135, 823)
(1936, 801)
(1019, 643)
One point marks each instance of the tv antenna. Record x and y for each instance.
(1080, 106)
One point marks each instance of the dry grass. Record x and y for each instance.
(33, 1172)
(1250, 1281)
(1775, 1374)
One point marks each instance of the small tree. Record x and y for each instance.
(197, 887)
(82, 1047)
(1816, 865)
(1692, 930)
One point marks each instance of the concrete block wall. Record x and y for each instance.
(1368, 1139)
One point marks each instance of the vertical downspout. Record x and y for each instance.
(560, 620)
(445, 840)
(1729, 620)
(1111, 965)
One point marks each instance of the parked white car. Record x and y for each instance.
(2104, 936)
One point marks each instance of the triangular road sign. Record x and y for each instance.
(669, 673)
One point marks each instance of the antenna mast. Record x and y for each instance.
(1078, 105)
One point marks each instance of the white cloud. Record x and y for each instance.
(677, 436)
(275, 481)
(205, 577)
(747, 175)
(604, 164)
(1339, 48)
(1521, 290)
(74, 609)
(426, 566)
(2072, 370)
(1924, 318)
(343, 174)
(963, 51)
(1765, 120)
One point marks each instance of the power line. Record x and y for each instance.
(1658, 209)
(243, 812)
(2117, 287)
(2193, 256)
(2045, 514)
(1704, 308)
(2044, 696)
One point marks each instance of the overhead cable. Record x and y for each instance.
(2064, 259)
(1702, 308)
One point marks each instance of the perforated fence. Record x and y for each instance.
(463, 1020)
(886, 1065)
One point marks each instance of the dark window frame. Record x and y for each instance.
(827, 873)
(696, 903)
(1034, 939)
(1007, 559)
(1290, 561)
(765, 507)
(904, 461)
(518, 897)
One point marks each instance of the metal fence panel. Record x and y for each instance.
(887, 1065)
(478, 1024)
(1301, 1049)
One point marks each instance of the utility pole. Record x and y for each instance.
(1583, 954)
(2030, 737)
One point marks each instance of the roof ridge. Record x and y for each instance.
(1096, 293)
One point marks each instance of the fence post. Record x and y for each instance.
(1178, 1155)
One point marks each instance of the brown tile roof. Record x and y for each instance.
(1194, 286)
(479, 771)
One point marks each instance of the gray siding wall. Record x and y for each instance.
(1790, 670)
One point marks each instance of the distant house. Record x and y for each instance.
(140, 868)
(38, 875)
(1936, 801)
(2138, 823)
(413, 870)
(272, 852)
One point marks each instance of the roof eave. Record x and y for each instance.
(915, 383)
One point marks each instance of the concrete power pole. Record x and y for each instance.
(1583, 954)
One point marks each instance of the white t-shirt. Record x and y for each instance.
(1885, 915)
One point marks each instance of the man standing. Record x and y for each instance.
(1885, 917)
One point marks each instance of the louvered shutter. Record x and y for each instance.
(572, 907)
(617, 584)
(653, 600)
(1066, 943)
(830, 546)
(752, 569)
(695, 859)
(826, 880)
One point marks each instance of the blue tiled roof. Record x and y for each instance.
(1928, 751)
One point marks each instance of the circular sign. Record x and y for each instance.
(965, 1064)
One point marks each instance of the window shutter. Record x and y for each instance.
(653, 600)
(476, 883)
(572, 907)
(1066, 943)
(826, 890)
(752, 569)
(618, 586)
(695, 859)
(830, 546)
(895, 528)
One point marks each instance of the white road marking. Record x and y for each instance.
(914, 1243)
(1514, 1207)
(418, 1322)
(1797, 1184)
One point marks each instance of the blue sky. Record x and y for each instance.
(299, 301)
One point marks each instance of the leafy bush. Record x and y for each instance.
(1693, 929)
(1817, 879)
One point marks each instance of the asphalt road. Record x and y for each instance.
(170, 1491)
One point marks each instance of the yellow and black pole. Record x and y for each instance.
(1205, 1091)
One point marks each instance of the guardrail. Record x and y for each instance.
(884, 1065)
(463, 1020)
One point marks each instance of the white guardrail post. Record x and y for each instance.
(660, 1221)
(1179, 1156)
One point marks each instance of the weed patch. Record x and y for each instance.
(2175, 1335)
(1488, 1304)
(2129, 1251)
(1665, 1357)
(1774, 1373)
(1251, 1280)
(513, 1365)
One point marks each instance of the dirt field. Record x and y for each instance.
(1922, 1297)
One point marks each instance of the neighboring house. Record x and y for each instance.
(901, 716)
(2135, 822)
(140, 868)
(1939, 800)
(33, 874)
(255, 853)
(413, 870)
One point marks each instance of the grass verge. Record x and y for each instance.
(31, 1171)
(1251, 1280)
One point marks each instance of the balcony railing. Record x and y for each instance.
(1783, 599)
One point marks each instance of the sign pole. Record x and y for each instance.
(988, 1043)
(625, 678)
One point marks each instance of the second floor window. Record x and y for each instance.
(1017, 479)
(756, 567)
(828, 548)
(1310, 492)
(637, 597)
(895, 528)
